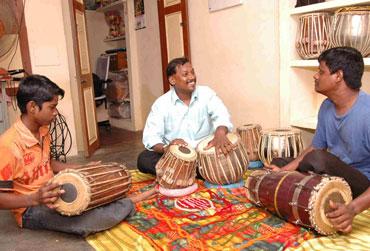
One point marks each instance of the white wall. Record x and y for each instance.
(48, 52)
(235, 51)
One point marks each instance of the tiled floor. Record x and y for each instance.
(116, 145)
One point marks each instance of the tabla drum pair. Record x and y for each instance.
(223, 169)
(176, 171)
(313, 34)
(91, 186)
(279, 143)
(298, 198)
(250, 135)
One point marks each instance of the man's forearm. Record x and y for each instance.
(294, 164)
(58, 166)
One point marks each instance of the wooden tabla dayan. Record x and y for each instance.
(313, 34)
(250, 135)
(298, 198)
(279, 143)
(91, 186)
(220, 169)
(177, 167)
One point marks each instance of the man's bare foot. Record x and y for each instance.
(143, 196)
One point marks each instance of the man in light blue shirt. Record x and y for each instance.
(184, 116)
(341, 144)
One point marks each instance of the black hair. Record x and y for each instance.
(36, 88)
(172, 65)
(347, 59)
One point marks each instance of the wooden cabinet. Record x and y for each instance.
(299, 103)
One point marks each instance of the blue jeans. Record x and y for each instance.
(89, 222)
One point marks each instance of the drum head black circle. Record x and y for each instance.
(70, 192)
(184, 150)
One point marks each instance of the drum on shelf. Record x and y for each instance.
(221, 169)
(351, 27)
(279, 143)
(313, 34)
(250, 135)
(298, 198)
(176, 171)
(91, 186)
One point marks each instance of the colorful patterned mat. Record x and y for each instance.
(233, 223)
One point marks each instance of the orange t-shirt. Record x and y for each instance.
(24, 162)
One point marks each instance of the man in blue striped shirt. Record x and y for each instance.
(184, 116)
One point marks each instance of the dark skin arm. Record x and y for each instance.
(292, 165)
(58, 166)
(221, 143)
(342, 215)
(47, 194)
(162, 148)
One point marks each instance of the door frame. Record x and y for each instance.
(75, 81)
(183, 8)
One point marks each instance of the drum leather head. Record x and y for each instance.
(183, 152)
(334, 189)
(200, 148)
(77, 192)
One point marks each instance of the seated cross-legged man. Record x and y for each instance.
(341, 144)
(184, 116)
(26, 168)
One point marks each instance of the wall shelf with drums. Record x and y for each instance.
(326, 6)
(313, 63)
(299, 103)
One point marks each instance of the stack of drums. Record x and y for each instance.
(250, 135)
(351, 27)
(299, 198)
(279, 143)
(176, 171)
(313, 34)
(223, 170)
(91, 186)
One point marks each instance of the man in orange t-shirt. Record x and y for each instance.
(26, 168)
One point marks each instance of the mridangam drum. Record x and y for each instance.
(298, 198)
(221, 169)
(279, 143)
(313, 34)
(351, 27)
(176, 171)
(91, 186)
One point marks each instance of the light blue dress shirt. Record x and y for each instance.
(171, 118)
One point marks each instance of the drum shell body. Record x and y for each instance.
(279, 143)
(296, 197)
(313, 34)
(177, 168)
(250, 135)
(221, 169)
(95, 185)
(352, 28)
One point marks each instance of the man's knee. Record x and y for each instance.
(147, 160)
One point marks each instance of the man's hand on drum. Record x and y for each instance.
(179, 142)
(221, 143)
(272, 167)
(47, 195)
(341, 216)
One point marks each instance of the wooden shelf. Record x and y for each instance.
(113, 6)
(115, 38)
(313, 63)
(327, 6)
(306, 123)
